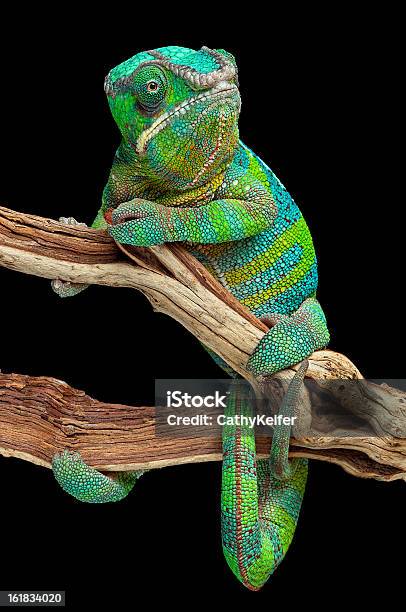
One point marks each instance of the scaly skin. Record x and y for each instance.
(182, 174)
(260, 502)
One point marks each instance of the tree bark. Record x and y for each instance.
(39, 416)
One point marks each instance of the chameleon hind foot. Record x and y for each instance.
(292, 339)
(280, 466)
(66, 288)
(87, 484)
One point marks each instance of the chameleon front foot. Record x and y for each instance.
(87, 484)
(66, 288)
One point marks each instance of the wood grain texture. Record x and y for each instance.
(39, 416)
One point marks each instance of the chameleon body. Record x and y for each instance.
(182, 174)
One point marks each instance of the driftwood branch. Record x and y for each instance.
(39, 416)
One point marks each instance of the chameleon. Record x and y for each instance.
(181, 174)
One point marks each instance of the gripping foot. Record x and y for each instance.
(87, 484)
(66, 288)
(291, 340)
(281, 467)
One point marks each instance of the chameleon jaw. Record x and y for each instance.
(223, 89)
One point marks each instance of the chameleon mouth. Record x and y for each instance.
(223, 89)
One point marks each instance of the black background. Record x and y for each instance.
(318, 94)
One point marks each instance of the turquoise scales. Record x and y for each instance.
(182, 174)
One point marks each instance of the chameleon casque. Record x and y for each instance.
(182, 174)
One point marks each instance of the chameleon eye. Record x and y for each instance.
(152, 86)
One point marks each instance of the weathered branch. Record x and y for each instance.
(40, 416)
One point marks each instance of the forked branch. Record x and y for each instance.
(39, 416)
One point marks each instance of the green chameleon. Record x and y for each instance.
(181, 174)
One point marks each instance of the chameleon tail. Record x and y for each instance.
(259, 508)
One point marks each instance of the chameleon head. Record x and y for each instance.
(178, 110)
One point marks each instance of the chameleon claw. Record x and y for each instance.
(56, 284)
